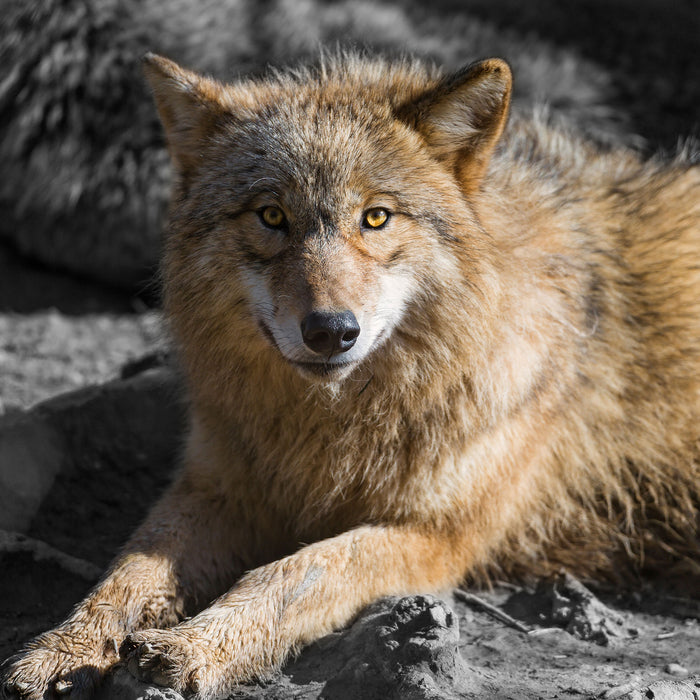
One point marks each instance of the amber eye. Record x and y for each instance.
(273, 217)
(375, 218)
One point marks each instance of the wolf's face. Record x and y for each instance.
(321, 205)
(325, 232)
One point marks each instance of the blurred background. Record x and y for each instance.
(84, 175)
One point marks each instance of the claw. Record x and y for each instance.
(12, 691)
(127, 647)
(63, 687)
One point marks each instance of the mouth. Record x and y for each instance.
(318, 369)
(325, 370)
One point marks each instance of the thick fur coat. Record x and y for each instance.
(504, 377)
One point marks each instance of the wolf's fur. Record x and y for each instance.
(523, 394)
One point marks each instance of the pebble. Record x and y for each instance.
(676, 670)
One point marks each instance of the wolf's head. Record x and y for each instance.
(315, 208)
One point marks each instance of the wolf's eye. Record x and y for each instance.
(375, 218)
(273, 217)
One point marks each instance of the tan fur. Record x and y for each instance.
(527, 398)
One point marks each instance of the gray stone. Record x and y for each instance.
(580, 613)
(30, 457)
(668, 690)
(107, 450)
(564, 602)
(409, 650)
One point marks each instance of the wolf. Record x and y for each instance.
(421, 343)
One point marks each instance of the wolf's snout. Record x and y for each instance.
(330, 333)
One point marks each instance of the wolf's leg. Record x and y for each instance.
(180, 554)
(279, 606)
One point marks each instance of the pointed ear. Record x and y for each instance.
(463, 117)
(189, 106)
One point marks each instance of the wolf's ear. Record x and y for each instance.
(463, 117)
(189, 106)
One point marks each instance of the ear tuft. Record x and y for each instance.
(189, 105)
(463, 117)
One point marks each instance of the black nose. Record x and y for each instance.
(329, 333)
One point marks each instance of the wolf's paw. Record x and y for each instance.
(53, 665)
(169, 658)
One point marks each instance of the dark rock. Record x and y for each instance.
(565, 602)
(580, 613)
(91, 461)
(408, 652)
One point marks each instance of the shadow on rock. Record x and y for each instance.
(565, 602)
(400, 648)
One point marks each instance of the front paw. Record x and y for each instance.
(56, 664)
(170, 658)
